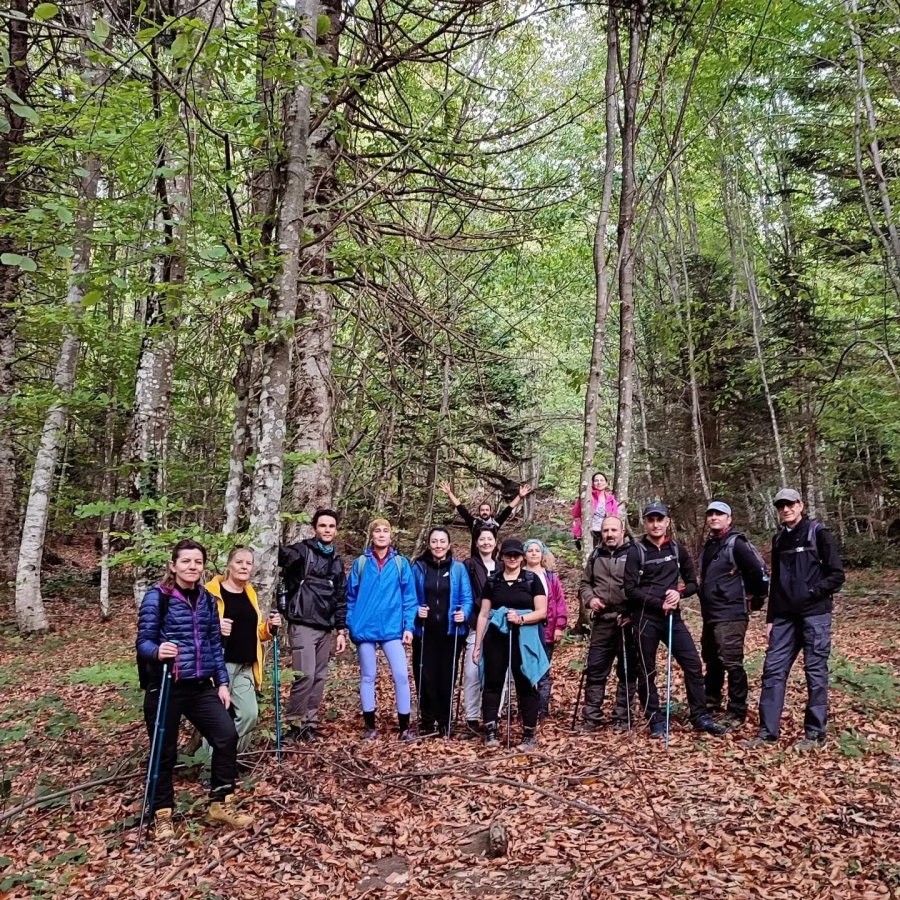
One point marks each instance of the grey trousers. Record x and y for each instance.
(812, 635)
(310, 653)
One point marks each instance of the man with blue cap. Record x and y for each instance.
(733, 580)
(658, 573)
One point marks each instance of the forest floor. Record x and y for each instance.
(588, 815)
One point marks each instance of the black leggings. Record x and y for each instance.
(199, 703)
(438, 666)
(495, 650)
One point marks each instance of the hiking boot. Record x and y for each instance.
(163, 830)
(529, 740)
(708, 726)
(760, 741)
(405, 736)
(731, 722)
(588, 726)
(809, 744)
(491, 739)
(472, 730)
(370, 734)
(620, 725)
(658, 730)
(300, 733)
(224, 812)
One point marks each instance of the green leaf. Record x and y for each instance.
(91, 298)
(64, 251)
(215, 252)
(181, 46)
(44, 11)
(25, 263)
(4, 125)
(26, 112)
(101, 31)
(323, 26)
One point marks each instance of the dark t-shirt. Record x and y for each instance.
(518, 594)
(240, 646)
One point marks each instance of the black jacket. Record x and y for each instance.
(660, 570)
(477, 525)
(805, 573)
(726, 583)
(478, 576)
(316, 586)
(604, 578)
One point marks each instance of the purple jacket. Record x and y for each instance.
(196, 630)
(557, 611)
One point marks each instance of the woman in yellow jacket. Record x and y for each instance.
(243, 631)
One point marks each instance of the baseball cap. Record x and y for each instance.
(718, 506)
(787, 494)
(512, 545)
(656, 508)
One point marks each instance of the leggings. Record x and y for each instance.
(396, 657)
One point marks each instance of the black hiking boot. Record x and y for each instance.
(491, 740)
(529, 740)
(707, 725)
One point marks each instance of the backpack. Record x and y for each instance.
(812, 541)
(728, 550)
(676, 548)
(362, 560)
(148, 671)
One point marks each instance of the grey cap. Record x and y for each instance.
(656, 508)
(788, 494)
(718, 506)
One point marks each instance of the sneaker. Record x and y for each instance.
(224, 812)
(491, 739)
(300, 733)
(529, 740)
(370, 734)
(760, 741)
(707, 725)
(809, 744)
(163, 830)
(658, 730)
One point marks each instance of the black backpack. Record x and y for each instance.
(149, 672)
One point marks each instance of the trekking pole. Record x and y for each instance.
(627, 682)
(669, 681)
(159, 731)
(453, 675)
(581, 684)
(509, 692)
(419, 685)
(281, 603)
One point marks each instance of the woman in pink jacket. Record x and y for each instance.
(540, 561)
(604, 504)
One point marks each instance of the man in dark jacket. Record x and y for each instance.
(603, 594)
(806, 572)
(654, 568)
(733, 580)
(485, 520)
(316, 587)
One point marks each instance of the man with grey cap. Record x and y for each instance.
(654, 570)
(733, 580)
(806, 572)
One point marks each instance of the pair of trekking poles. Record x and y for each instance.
(584, 670)
(452, 677)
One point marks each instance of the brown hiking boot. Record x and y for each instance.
(224, 812)
(162, 825)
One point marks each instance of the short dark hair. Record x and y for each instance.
(325, 512)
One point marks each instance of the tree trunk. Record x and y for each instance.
(601, 286)
(17, 81)
(30, 612)
(627, 203)
(268, 474)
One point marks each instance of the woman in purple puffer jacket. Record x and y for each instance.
(540, 561)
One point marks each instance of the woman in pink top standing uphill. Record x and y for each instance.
(604, 504)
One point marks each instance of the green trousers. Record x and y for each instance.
(244, 708)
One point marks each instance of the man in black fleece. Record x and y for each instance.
(806, 572)
(733, 580)
(485, 520)
(653, 570)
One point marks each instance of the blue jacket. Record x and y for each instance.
(535, 664)
(381, 603)
(197, 632)
(460, 594)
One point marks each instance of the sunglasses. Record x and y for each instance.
(784, 504)
(511, 555)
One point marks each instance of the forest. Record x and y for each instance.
(260, 257)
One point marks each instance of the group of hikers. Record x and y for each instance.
(503, 610)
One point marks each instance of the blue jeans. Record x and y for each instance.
(812, 635)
